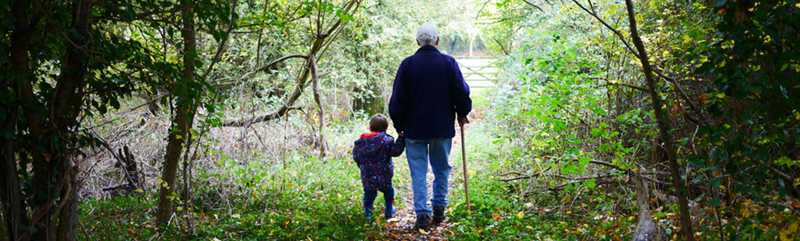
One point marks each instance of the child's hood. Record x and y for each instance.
(371, 145)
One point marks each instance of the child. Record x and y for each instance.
(373, 154)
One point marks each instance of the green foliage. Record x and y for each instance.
(728, 82)
(309, 200)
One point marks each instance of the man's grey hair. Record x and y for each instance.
(426, 39)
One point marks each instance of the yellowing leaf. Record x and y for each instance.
(790, 233)
(521, 214)
(722, 187)
(422, 231)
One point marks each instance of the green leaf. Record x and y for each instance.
(715, 182)
(130, 14)
(589, 183)
(699, 198)
(583, 161)
(599, 111)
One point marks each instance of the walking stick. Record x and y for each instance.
(464, 158)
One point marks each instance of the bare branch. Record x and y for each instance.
(315, 83)
(680, 93)
(314, 53)
(222, 43)
(790, 183)
(521, 177)
(119, 9)
(260, 118)
(534, 5)
(617, 32)
(626, 85)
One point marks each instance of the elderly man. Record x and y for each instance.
(429, 92)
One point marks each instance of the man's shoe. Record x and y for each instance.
(422, 222)
(438, 214)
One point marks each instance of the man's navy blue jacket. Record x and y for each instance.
(429, 91)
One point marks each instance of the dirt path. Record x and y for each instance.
(401, 227)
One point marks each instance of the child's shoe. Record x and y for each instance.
(390, 211)
(368, 211)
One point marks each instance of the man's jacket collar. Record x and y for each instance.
(427, 48)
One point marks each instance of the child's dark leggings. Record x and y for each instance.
(388, 196)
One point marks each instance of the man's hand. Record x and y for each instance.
(400, 134)
(462, 120)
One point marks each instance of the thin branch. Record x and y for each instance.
(302, 77)
(626, 85)
(271, 63)
(680, 92)
(509, 173)
(521, 177)
(534, 5)
(572, 113)
(790, 183)
(337, 28)
(503, 48)
(619, 34)
(118, 9)
(260, 118)
(128, 176)
(315, 85)
(222, 43)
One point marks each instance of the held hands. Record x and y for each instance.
(462, 120)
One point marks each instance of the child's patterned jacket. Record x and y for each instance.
(373, 154)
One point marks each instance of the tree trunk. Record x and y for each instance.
(10, 193)
(68, 216)
(646, 229)
(471, 41)
(14, 214)
(318, 99)
(182, 123)
(64, 112)
(663, 126)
